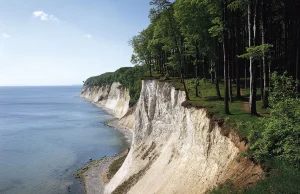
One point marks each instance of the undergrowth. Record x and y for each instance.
(281, 179)
(115, 166)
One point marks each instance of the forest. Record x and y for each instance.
(232, 40)
(231, 57)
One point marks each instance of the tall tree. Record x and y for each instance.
(265, 62)
(141, 52)
(166, 7)
(225, 50)
(197, 37)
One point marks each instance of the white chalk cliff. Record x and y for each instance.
(113, 97)
(174, 149)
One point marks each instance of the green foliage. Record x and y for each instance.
(257, 52)
(283, 87)
(270, 137)
(104, 79)
(282, 178)
(193, 20)
(129, 77)
(140, 44)
(225, 188)
(217, 28)
(235, 5)
(184, 34)
(279, 136)
(115, 166)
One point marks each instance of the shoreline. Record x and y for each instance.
(94, 174)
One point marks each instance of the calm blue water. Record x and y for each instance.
(46, 133)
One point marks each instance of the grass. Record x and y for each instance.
(115, 166)
(225, 188)
(239, 118)
(132, 180)
(281, 178)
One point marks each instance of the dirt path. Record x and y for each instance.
(245, 106)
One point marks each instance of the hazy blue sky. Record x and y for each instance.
(63, 42)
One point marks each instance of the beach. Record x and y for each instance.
(95, 174)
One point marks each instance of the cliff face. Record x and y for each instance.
(115, 98)
(177, 149)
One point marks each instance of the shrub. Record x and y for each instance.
(280, 135)
(129, 77)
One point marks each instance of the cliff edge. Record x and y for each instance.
(174, 149)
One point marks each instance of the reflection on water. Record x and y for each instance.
(46, 133)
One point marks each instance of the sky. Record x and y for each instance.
(63, 42)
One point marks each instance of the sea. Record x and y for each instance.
(46, 134)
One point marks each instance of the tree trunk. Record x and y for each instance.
(225, 49)
(245, 61)
(184, 85)
(286, 35)
(229, 82)
(197, 60)
(203, 66)
(218, 88)
(217, 66)
(245, 74)
(230, 62)
(297, 58)
(237, 51)
(261, 81)
(252, 99)
(265, 99)
(297, 52)
(178, 52)
(197, 89)
(212, 71)
(217, 82)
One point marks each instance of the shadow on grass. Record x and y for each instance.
(213, 99)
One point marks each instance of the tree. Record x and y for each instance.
(194, 38)
(141, 52)
(257, 53)
(194, 22)
(225, 50)
(166, 7)
(281, 133)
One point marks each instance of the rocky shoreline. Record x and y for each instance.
(94, 174)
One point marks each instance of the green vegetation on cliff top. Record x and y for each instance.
(189, 41)
(129, 77)
(274, 136)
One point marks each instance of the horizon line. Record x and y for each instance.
(40, 85)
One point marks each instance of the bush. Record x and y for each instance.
(282, 179)
(129, 77)
(280, 135)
